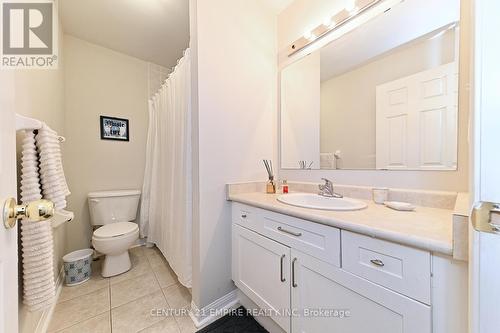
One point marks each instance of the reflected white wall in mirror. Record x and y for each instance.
(300, 124)
(386, 98)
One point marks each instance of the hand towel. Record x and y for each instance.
(53, 180)
(36, 237)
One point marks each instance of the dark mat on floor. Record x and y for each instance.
(236, 322)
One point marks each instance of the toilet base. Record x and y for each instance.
(115, 264)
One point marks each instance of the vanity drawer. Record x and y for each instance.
(317, 240)
(400, 268)
(244, 216)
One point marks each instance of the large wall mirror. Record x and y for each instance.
(383, 96)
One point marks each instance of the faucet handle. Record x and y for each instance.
(327, 181)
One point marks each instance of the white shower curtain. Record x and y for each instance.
(166, 217)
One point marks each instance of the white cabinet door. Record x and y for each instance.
(417, 121)
(346, 303)
(261, 270)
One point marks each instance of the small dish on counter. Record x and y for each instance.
(402, 206)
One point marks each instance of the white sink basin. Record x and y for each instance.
(315, 201)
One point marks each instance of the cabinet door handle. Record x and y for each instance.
(244, 216)
(282, 263)
(296, 234)
(377, 262)
(294, 283)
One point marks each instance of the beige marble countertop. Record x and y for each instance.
(425, 228)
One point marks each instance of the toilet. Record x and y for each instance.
(113, 213)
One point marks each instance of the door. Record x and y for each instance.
(417, 121)
(328, 299)
(487, 106)
(261, 270)
(484, 268)
(8, 237)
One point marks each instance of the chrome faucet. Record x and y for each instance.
(327, 190)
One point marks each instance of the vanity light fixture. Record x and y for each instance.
(351, 6)
(309, 36)
(329, 23)
(352, 9)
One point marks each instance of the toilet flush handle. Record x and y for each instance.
(94, 200)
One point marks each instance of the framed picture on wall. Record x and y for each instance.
(114, 129)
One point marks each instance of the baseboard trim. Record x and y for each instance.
(43, 323)
(215, 310)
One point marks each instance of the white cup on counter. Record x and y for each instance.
(380, 195)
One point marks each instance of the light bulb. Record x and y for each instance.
(309, 35)
(351, 5)
(329, 23)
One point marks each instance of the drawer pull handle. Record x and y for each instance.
(296, 234)
(377, 262)
(294, 284)
(244, 216)
(282, 278)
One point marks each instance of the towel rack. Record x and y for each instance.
(27, 123)
(60, 217)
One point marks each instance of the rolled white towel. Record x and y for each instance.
(30, 195)
(40, 297)
(38, 292)
(29, 231)
(53, 180)
(36, 243)
(29, 156)
(36, 237)
(32, 228)
(41, 273)
(40, 263)
(36, 302)
(28, 225)
(30, 176)
(34, 285)
(31, 259)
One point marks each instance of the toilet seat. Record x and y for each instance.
(117, 229)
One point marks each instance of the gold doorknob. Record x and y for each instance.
(35, 211)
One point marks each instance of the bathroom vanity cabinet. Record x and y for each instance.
(313, 278)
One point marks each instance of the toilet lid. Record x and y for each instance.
(115, 229)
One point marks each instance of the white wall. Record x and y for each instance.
(303, 14)
(99, 81)
(300, 112)
(157, 76)
(234, 124)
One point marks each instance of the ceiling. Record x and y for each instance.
(279, 5)
(156, 31)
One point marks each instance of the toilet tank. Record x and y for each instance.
(113, 206)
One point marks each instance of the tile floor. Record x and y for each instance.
(124, 303)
